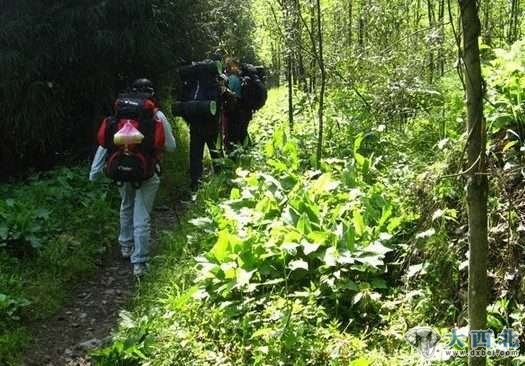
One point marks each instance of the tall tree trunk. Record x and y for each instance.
(290, 92)
(349, 34)
(361, 33)
(477, 185)
(298, 40)
(323, 83)
(512, 34)
(313, 66)
(441, 56)
(487, 31)
(431, 23)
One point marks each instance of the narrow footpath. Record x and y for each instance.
(91, 313)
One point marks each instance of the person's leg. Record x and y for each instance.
(215, 153)
(244, 121)
(225, 123)
(144, 197)
(127, 194)
(196, 153)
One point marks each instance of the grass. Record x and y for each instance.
(43, 254)
(169, 325)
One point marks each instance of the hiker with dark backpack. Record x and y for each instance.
(199, 105)
(254, 95)
(131, 145)
(232, 113)
(246, 83)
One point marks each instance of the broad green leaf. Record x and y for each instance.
(319, 237)
(220, 250)
(360, 362)
(229, 269)
(235, 194)
(394, 224)
(330, 257)
(359, 223)
(42, 213)
(358, 141)
(243, 277)
(298, 264)
(386, 213)
(309, 248)
(349, 285)
(372, 260)
(263, 333)
(377, 248)
(303, 225)
(360, 159)
(324, 184)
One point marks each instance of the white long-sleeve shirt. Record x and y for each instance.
(97, 166)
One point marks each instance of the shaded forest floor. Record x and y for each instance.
(92, 310)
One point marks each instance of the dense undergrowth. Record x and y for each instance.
(277, 262)
(48, 241)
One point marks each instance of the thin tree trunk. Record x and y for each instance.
(441, 56)
(477, 185)
(349, 34)
(313, 75)
(487, 32)
(323, 83)
(431, 23)
(361, 33)
(290, 92)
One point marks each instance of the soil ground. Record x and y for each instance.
(91, 312)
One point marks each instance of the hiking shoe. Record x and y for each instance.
(139, 269)
(126, 252)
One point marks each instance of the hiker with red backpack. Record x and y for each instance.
(132, 142)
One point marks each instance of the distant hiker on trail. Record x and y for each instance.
(247, 94)
(131, 145)
(232, 117)
(199, 105)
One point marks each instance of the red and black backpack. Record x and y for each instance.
(139, 162)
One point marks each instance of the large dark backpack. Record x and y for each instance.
(254, 93)
(200, 81)
(135, 163)
(200, 93)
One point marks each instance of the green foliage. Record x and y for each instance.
(22, 225)
(10, 307)
(48, 241)
(505, 74)
(289, 229)
(131, 350)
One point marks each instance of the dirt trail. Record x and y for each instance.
(92, 311)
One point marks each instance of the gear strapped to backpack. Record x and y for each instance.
(200, 92)
(254, 93)
(135, 162)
